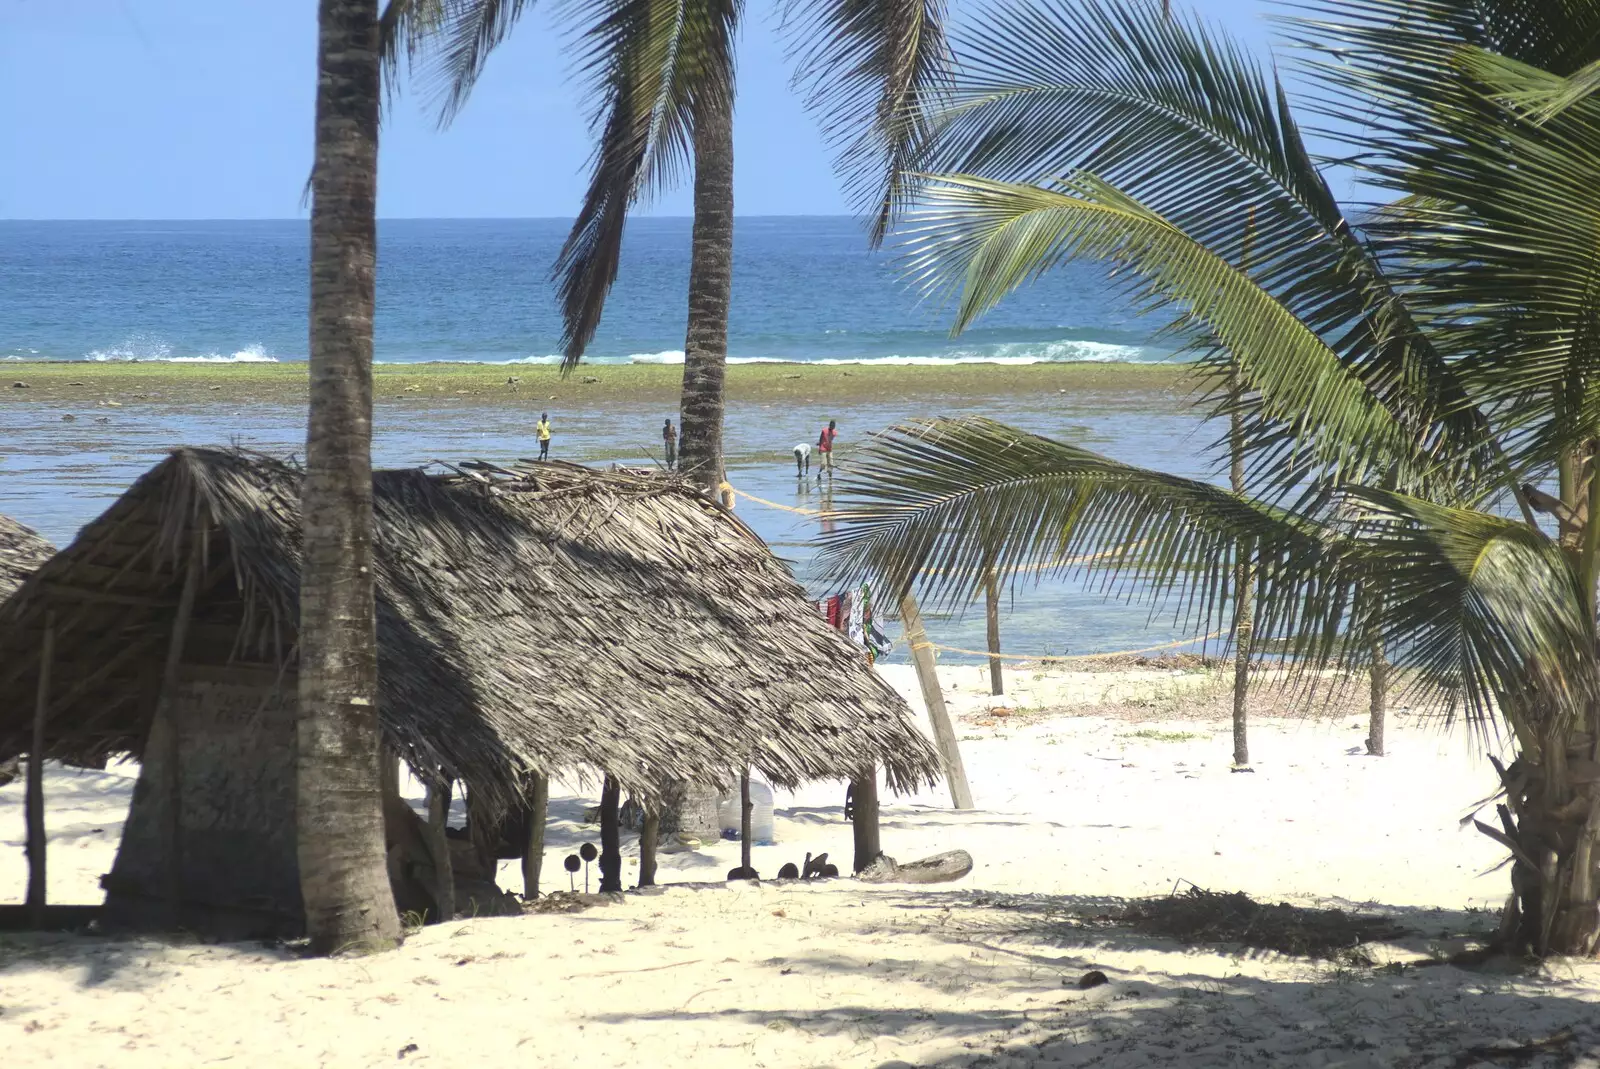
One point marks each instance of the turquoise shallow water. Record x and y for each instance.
(57, 475)
(804, 289)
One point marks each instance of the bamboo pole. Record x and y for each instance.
(991, 597)
(37, 893)
(864, 788)
(944, 732)
(533, 849)
(167, 717)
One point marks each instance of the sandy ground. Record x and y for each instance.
(1091, 788)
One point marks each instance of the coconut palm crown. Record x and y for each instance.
(1417, 384)
(868, 69)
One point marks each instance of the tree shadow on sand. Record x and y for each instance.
(1014, 999)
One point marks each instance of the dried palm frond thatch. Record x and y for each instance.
(563, 619)
(21, 551)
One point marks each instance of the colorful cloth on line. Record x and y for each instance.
(851, 612)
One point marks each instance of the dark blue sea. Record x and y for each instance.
(805, 289)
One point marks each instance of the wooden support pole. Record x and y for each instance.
(649, 838)
(1378, 701)
(944, 732)
(37, 894)
(745, 807)
(610, 836)
(533, 849)
(440, 793)
(864, 789)
(991, 598)
(166, 731)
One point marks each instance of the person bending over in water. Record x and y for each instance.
(802, 460)
(543, 430)
(825, 449)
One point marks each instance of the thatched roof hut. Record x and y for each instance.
(21, 551)
(557, 620)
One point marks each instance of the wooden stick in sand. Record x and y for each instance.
(944, 733)
(35, 795)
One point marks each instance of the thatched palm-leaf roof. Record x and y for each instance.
(21, 551)
(567, 619)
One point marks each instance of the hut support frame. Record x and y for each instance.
(37, 894)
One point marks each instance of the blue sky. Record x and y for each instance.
(201, 109)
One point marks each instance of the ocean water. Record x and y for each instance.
(805, 289)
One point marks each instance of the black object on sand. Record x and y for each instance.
(572, 865)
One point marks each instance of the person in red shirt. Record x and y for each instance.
(825, 449)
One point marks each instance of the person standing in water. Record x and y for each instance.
(669, 443)
(543, 430)
(825, 449)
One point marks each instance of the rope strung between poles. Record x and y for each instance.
(1072, 657)
(1066, 562)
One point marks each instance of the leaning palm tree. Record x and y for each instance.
(661, 73)
(1409, 391)
(339, 827)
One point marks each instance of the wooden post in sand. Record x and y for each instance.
(610, 836)
(35, 795)
(864, 821)
(1378, 700)
(944, 733)
(165, 731)
(533, 849)
(991, 598)
(649, 838)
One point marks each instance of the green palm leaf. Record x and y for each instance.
(936, 504)
(986, 238)
(648, 60)
(1181, 120)
(872, 69)
(1478, 605)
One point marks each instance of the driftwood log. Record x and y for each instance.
(940, 868)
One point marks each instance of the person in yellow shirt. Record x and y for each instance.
(543, 429)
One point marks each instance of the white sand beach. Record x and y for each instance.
(1093, 787)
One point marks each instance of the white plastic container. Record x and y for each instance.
(761, 824)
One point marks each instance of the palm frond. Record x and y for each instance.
(405, 30)
(872, 69)
(986, 238)
(1483, 608)
(1183, 120)
(647, 61)
(937, 504)
(1498, 243)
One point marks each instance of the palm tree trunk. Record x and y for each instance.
(1551, 815)
(705, 359)
(340, 834)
